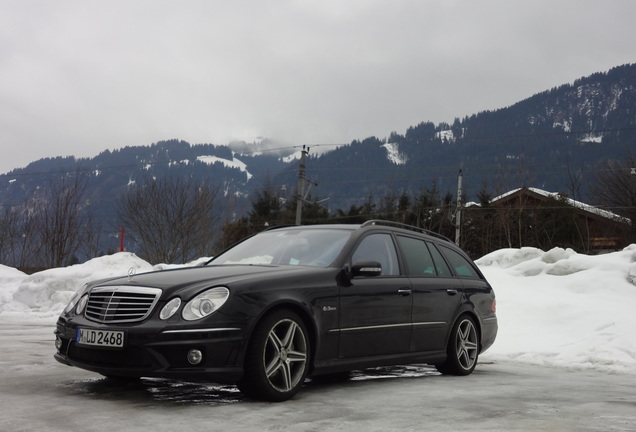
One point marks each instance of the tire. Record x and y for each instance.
(463, 348)
(277, 358)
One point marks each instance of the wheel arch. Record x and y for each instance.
(470, 313)
(304, 315)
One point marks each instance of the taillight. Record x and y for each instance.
(493, 306)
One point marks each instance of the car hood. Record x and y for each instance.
(174, 280)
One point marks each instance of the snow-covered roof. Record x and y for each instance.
(577, 204)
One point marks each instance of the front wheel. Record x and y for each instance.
(277, 359)
(463, 348)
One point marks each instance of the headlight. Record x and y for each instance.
(170, 308)
(81, 304)
(205, 303)
(71, 304)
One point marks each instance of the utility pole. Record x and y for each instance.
(301, 186)
(458, 213)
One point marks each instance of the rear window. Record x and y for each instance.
(460, 265)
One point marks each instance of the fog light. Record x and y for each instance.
(58, 343)
(195, 356)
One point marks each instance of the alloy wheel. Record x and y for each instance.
(466, 347)
(285, 355)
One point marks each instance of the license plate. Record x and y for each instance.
(103, 338)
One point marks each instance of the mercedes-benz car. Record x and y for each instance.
(287, 304)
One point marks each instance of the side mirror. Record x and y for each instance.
(365, 268)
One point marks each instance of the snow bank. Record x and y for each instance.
(554, 308)
(10, 279)
(47, 292)
(563, 308)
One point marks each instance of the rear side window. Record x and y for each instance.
(419, 261)
(460, 265)
(440, 264)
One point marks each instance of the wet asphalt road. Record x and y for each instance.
(39, 394)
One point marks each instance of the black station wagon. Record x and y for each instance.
(286, 304)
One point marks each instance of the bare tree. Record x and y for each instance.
(9, 236)
(19, 239)
(575, 180)
(480, 230)
(27, 243)
(616, 188)
(173, 220)
(61, 225)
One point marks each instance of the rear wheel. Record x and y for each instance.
(277, 359)
(463, 348)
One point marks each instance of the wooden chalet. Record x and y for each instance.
(599, 230)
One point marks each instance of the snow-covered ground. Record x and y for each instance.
(554, 308)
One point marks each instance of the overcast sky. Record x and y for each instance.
(80, 77)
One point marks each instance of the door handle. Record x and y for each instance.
(404, 292)
(451, 292)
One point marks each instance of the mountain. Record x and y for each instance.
(553, 140)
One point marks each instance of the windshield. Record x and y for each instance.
(305, 247)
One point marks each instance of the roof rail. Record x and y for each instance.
(406, 227)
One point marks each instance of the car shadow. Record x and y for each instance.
(154, 391)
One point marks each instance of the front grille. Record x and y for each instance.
(121, 304)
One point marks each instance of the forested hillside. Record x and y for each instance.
(553, 140)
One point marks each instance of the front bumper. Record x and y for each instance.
(154, 351)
